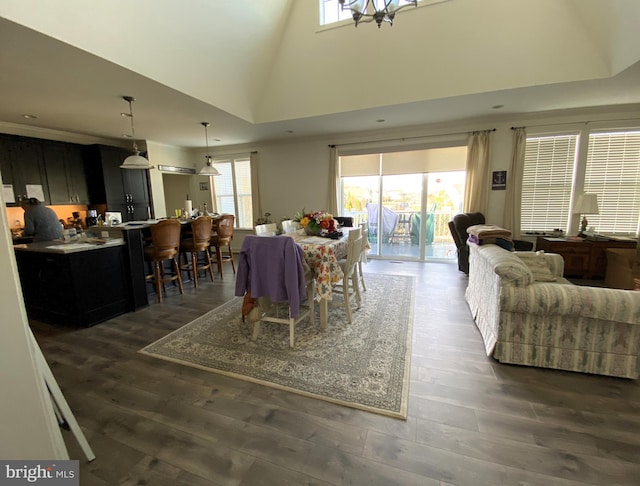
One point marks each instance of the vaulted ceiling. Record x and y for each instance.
(263, 69)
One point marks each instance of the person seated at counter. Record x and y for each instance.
(40, 221)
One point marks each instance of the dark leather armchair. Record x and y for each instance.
(458, 227)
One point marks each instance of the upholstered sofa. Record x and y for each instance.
(529, 315)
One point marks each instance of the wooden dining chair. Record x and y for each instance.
(272, 270)
(165, 247)
(348, 286)
(364, 248)
(344, 221)
(221, 238)
(289, 226)
(194, 244)
(269, 229)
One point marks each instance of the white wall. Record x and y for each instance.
(295, 174)
(448, 49)
(28, 427)
(169, 192)
(176, 189)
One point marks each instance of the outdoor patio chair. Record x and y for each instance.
(389, 222)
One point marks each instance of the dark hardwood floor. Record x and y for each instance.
(471, 420)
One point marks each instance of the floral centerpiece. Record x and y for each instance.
(317, 222)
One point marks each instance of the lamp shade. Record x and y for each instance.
(587, 204)
(136, 161)
(209, 169)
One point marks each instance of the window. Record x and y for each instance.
(613, 173)
(331, 12)
(232, 190)
(547, 181)
(555, 173)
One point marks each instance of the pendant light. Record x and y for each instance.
(209, 169)
(135, 161)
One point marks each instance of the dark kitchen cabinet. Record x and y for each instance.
(123, 190)
(22, 165)
(65, 169)
(79, 289)
(5, 164)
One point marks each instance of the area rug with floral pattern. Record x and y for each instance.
(363, 365)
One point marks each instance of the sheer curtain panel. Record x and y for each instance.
(334, 180)
(476, 193)
(255, 187)
(513, 194)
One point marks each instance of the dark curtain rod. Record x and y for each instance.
(402, 139)
(587, 122)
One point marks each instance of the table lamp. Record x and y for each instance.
(586, 204)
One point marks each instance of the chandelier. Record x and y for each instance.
(379, 10)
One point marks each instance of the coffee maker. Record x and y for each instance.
(92, 217)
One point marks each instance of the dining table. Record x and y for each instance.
(322, 256)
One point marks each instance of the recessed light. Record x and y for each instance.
(497, 107)
(30, 117)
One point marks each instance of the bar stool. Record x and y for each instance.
(165, 238)
(222, 237)
(197, 242)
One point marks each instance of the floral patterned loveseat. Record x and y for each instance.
(529, 315)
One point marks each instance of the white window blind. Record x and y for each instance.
(547, 182)
(223, 186)
(232, 190)
(442, 159)
(243, 193)
(613, 173)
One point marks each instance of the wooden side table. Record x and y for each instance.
(583, 258)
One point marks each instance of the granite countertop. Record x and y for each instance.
(132, 225)
(59, 246)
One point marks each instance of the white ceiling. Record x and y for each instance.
(232, 63)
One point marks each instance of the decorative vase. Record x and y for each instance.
(312, 231)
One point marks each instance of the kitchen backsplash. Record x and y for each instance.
(15, 215)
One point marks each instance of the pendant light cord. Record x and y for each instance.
(206, 141)
(130, 100)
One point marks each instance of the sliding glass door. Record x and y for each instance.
(407, 212)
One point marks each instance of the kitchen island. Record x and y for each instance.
(78, 283)
(136, 234)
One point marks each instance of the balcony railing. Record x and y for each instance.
(441, 218)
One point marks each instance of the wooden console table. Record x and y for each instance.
(583, 258)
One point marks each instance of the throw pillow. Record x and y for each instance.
(514, 272)
(537, 264)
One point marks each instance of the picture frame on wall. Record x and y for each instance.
(499, 180)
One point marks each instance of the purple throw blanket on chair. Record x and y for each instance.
(271, 266)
